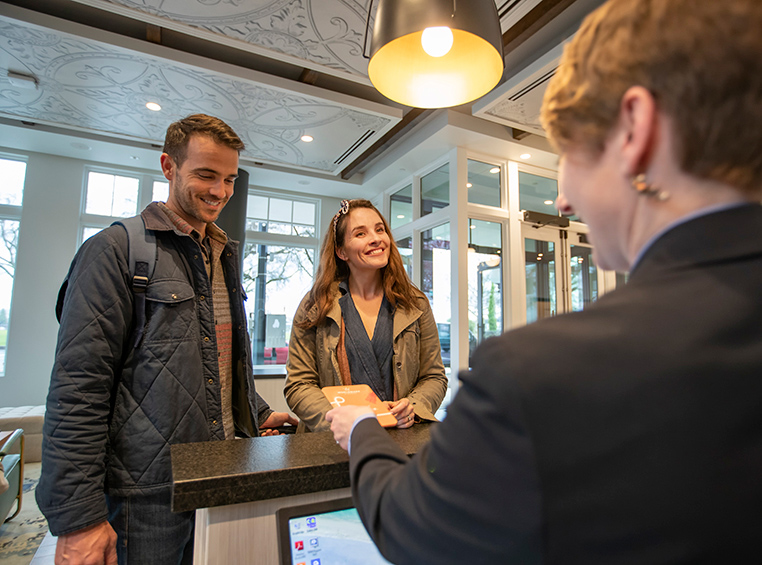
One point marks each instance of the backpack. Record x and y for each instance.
(141, 258)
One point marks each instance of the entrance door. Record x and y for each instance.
(544, 268)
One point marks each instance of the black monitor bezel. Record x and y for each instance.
(283, 515)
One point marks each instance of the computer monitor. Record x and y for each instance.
(325, 533)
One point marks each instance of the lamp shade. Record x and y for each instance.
(402, 70)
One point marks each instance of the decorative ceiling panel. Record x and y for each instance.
(517, 102)
(325, 35)
(97, 86)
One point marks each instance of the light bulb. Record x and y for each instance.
(437, 41)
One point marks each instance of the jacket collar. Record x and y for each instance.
(721, 236)
(155, 219)
(402, 318)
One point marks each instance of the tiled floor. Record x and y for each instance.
(46, 552)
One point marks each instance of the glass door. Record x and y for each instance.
(586, 280)
(544, 272)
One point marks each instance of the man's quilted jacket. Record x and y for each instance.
(113, 410)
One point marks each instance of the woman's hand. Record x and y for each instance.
(403, 411)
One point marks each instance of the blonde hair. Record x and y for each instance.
(398, 289)
(701, 60)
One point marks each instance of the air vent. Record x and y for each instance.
(360, 140)
(540, 82)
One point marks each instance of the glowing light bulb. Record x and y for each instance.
(437, 41)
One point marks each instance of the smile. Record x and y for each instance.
(375, 252)
(212, 203)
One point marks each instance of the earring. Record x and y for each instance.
(642, 186)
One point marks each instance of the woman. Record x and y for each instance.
(629, 432)
(364, 322)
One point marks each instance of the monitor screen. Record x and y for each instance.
(325, 533)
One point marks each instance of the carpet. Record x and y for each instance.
(20, 538)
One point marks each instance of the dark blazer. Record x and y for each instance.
(627, 433)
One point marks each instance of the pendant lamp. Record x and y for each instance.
(435, 53)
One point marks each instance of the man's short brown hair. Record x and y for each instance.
(180, 132)
(701, 60)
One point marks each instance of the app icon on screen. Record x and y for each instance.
(315, 562)
(314, 542)
(311, 522)
(299, 546)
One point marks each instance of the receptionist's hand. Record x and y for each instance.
(403, 411)
(342, 419)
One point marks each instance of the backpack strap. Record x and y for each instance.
(141, 253)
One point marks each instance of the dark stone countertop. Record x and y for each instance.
(217, 473)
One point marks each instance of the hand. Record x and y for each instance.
(94, 545)
(275, 420)
(403, 411)
(342, 419)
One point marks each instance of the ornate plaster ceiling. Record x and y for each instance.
(325, 35)
(93, 81)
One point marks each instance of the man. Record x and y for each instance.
(115, 406)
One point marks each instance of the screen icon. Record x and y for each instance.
(299, 546)
(315, 562)
(314, 542)
(311, 522)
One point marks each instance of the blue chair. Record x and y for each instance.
(13, 464)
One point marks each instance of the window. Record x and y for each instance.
(483, 183)
(435, 281)
(405, 247)
(280, 215)
(111, 195)
(13, 173)
(485, 282)
(160, 191)
(537, 194)
(402, 207)
(435, 190)
(278, 269)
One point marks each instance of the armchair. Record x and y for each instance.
(13, 465)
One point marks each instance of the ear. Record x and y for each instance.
(638, 125)
(167, 166)
(340, 254)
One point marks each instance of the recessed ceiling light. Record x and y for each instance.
(400, 216)
(494, 170)
(153, 106)
(469, 185)
(525, 156)
(307, 138)
(548, 202)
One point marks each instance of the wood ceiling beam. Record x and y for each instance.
(532, 22)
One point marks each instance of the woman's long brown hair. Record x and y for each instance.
(398, 289)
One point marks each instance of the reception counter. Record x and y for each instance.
(236, 487)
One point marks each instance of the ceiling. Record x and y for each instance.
(275, 70)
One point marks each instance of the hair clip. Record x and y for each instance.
(343, 209)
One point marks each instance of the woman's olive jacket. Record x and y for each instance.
(313, 362)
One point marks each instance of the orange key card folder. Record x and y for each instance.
(360, 395)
